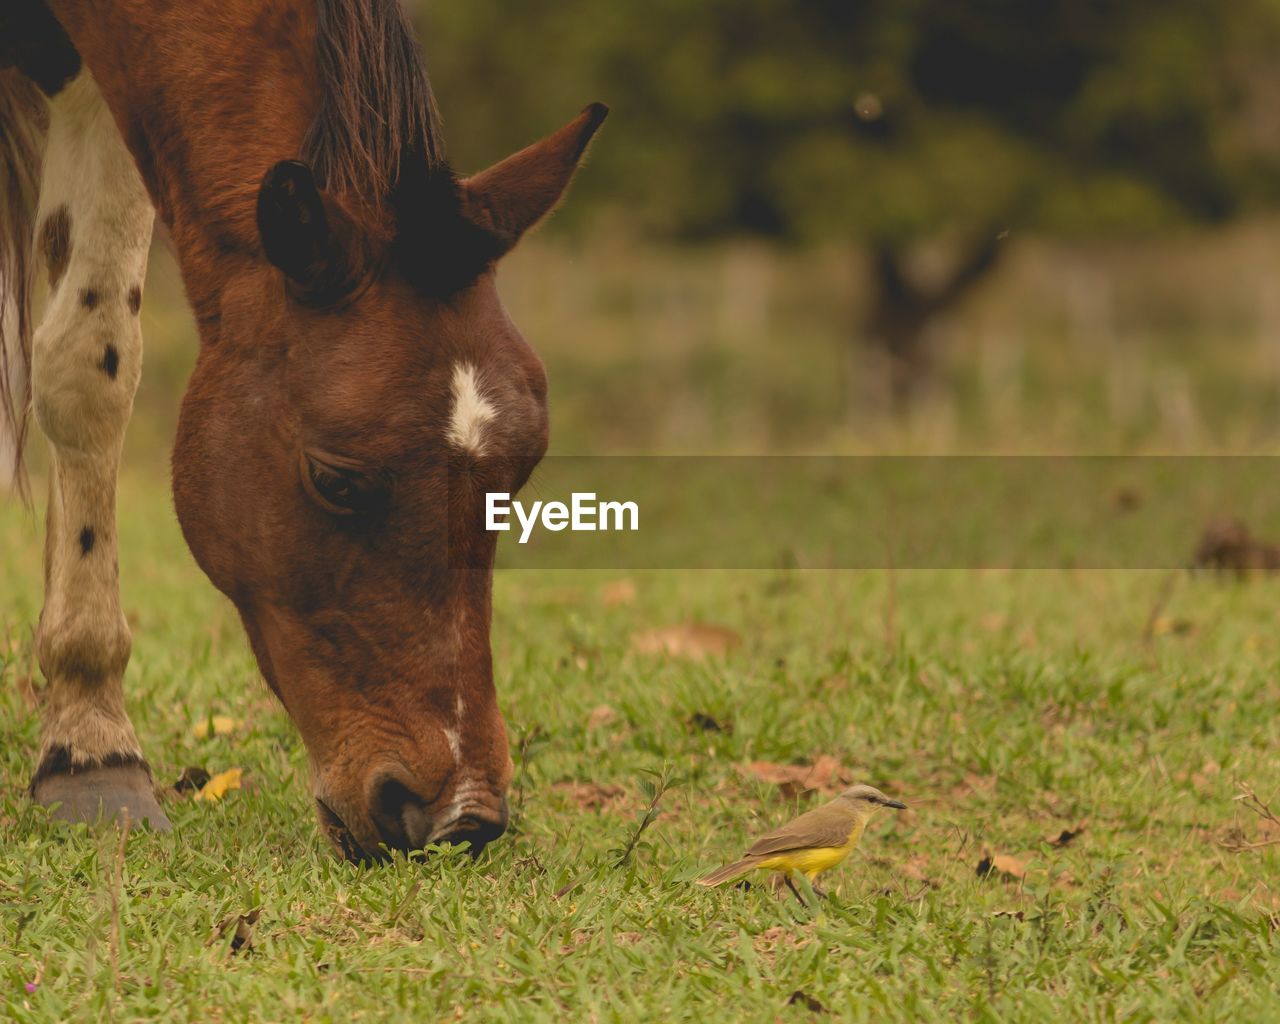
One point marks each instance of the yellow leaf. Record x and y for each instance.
(218, 786)
(222, 725)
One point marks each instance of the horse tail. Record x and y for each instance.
(22, 128)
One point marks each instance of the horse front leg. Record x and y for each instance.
(94, 230)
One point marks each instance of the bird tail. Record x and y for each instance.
(729, 872)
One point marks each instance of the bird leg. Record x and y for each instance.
(794, 891)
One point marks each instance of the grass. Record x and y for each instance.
(1003, 707)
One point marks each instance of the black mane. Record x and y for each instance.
(377, 139)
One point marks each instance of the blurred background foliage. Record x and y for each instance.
(930, 134)
(885, 121)
(889, 225)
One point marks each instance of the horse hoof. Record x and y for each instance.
(94, 794)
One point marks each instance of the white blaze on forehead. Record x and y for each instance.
(471, 410)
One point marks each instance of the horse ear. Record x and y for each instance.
(511, 196)
(296, 234)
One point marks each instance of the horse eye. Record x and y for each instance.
(342, 489)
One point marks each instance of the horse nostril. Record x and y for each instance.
(401, 816)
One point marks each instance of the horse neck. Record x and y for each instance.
(208, 95)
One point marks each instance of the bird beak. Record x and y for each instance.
(896, 804)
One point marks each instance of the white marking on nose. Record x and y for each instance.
(455, 744)
(462, 797)
(459, 708)
(471, 410)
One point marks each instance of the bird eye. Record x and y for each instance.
(342, 488)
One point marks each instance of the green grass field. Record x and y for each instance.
(1005, 708)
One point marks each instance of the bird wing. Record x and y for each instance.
(819, 828)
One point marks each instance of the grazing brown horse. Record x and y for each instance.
(359, 385)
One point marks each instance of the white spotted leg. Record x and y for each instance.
(93, 231)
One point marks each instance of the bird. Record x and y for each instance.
(815, 842)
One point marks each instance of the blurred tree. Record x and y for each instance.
(890, 123)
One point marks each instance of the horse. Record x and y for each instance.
(359, 386)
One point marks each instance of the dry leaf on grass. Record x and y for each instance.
(219, 785)
(600, 716)
(1005, 866)
(240, 928)
(1065, 837)
(700, 721)
(915, 868)
(825, 774)
(618, 592)
(590, 795)
(802, 998)
(222, 725)
(686, 640)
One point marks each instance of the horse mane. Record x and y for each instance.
(377, 116)
(377, 139)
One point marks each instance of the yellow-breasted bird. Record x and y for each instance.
(815, 842)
